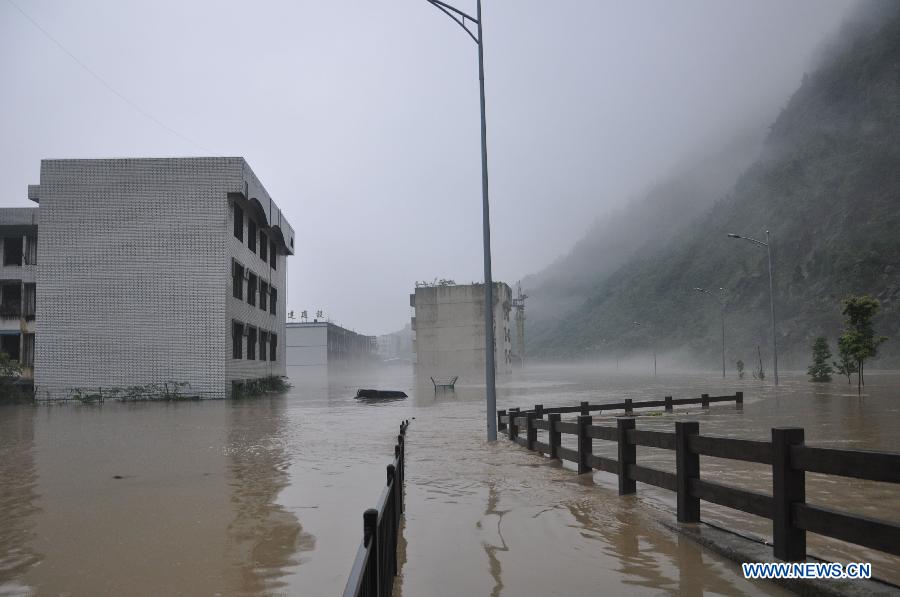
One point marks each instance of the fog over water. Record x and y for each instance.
(361, 118)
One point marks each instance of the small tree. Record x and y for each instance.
(847, 363)
(820, 369)
(740, 368)
(759, 373)
(858, 313)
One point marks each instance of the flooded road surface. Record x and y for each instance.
(266, 496)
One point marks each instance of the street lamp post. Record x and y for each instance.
(463, 20)
(654, 347)
(768, 246)
(722, 310)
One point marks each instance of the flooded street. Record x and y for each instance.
(266, 496)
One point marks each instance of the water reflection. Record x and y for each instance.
(264, 539)
(490, 549)
(18, 497)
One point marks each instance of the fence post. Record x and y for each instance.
(687, 467)
(585, 409)
(704, 400)
(400, 474)
(555, 437)
(627, 456)
(668, 404)
(511, 425)
(539, 411)
(739, 400)
(530, 431)
(788, 488)
(584, 443)
(370, 536)
(391, 559)
(629, 409)
(500, 425)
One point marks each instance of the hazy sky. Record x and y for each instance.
(361, 117)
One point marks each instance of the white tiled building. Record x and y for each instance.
(154, 271)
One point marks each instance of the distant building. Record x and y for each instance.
(322, 343)
(134, 272)
(449, 329)
(396, 345)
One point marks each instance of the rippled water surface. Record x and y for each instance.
(266, 496)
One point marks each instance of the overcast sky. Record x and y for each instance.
(361, 117)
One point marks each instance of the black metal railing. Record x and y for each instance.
(786, 453)
(375, 566)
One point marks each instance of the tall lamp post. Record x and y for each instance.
(722, 309)
(768, 246)
(638, 324)
(464, 20)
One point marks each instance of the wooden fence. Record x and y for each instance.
(375, 566)
(787, 454)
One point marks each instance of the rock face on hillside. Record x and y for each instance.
(827, 187)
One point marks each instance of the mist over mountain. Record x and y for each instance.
(827, 186)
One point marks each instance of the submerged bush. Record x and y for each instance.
(252, 388)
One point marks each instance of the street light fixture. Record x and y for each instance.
(722, 309)
(768, 246)
(462, 19)
(638, 324)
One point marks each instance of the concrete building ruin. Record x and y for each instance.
(142, 271)
(449, 333)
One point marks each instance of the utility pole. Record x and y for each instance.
(722, 313)
(768, 246)
(463, 20)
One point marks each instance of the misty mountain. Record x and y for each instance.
(827, 186)
(638, 228)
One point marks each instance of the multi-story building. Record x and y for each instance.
(323, 343)
(148, 271)
(18, 255)
(449, 330)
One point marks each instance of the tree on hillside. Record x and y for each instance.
(860, 332)
(820, 369)
(847, 364)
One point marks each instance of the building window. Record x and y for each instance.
(273, 302)
(237, 280)
(263, 296)
(238, 222)
(9, 343)
(13, 249)
(28, 350)
(30, 303)
(251, 289)
(273, 253)
(31, 250)
(11, 300)
(263, 341)
(237, 339)
(251, 344)
(251, 234)
(263, 247)
(273, 346)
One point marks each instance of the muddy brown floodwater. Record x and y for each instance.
(266, 496)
